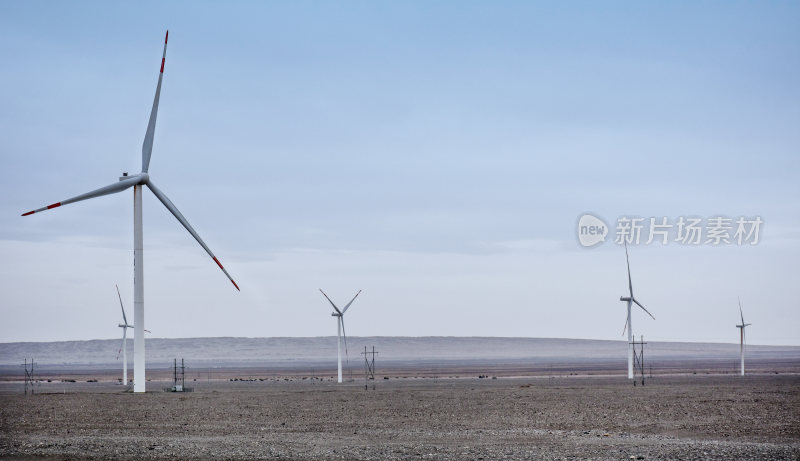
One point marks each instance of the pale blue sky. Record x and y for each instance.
(436, 155)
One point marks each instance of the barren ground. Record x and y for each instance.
(680, 417)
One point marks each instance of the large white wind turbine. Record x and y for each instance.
(742, 336)
(340, 327)
(630, 300)
(137, 182)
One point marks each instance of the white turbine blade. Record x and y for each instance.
(627, 260)
(124, 330)
(147, 146)
(626, 326)
(740, 309)
(124, 319)
(329, 300)
(174, 210)
(643, 308)
(110, 189)
(351, 302)
(344, 333)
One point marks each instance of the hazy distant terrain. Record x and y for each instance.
(397, 351)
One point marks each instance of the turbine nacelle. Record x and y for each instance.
(625, 298)
(144, 178)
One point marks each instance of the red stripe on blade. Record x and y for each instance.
(55, 205)
(166, 38)
(162, 65)
(28, 213)
(234, 284)
(218, 264)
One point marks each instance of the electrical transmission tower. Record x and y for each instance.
(28, 376)
(178, 378)
(369, 367)
(638, 358)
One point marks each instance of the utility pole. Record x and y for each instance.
(369, 367)
(178, 381)
(638, 359)
(28, 376)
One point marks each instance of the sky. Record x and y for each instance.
(436, 155)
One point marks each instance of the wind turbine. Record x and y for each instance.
(741, 335)
(630, 300)
(124, 349)
(138, 181)
(340, 328)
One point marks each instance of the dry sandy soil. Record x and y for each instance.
(689, 417)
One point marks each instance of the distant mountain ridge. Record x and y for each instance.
(308, 351)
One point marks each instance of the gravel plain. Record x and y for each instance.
(578, 417)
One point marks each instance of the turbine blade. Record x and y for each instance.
(627, 260)
(124, 319)
(740, 309)
(351, 302)
(174, 210)
(147, 146)
(110, 189)
(124, 330)
(643, 308)
(329, 300)
(344, 333)
(626, 326)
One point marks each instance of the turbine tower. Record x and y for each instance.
(137, 182)
(741, 336)
(340, 328)
(630, 300)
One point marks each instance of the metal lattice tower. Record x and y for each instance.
(369, 367)
(28, 376)
(638, 358)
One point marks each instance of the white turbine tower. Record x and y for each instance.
(630, 300)
(137, 182)
(340, 328)
(742, 336)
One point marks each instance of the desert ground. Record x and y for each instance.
(536, 417)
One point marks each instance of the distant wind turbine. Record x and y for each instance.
(742, 336)
(340, 328)
(138, 181)
(630, 300)
(124, 349)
